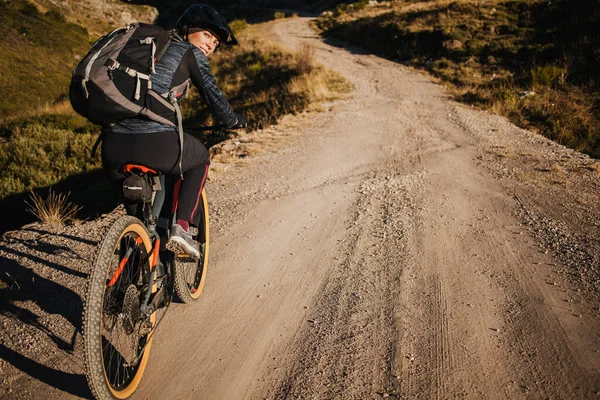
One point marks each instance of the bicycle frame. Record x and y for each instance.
(151, 217)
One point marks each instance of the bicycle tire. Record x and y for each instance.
(126, 246)
(189, 274)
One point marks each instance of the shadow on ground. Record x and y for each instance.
(41, 306)
(74, 384)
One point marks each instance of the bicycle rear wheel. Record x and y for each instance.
(188, 273)
(116, 335)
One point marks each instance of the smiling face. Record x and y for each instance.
(204, 40)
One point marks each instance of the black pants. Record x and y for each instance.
(160, 151)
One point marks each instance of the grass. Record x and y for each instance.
(39, 155)
(305, 57)
(535, 62)
(54, 210)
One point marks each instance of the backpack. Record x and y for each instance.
(114, 80)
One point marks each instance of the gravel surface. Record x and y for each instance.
(396, 245)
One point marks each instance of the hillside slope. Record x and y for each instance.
(39, 53)
(98, 16)
(535, 62)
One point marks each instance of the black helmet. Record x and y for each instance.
(206, 17)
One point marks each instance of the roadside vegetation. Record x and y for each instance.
(53, 210)
(265, 83)
(535, 62)
(45, 144)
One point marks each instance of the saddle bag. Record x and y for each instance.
(136, 188)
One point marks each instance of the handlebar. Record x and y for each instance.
(218, 130)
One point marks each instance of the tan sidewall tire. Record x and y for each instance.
(92, 327)
(180, 283)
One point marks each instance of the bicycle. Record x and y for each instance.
(131, 279)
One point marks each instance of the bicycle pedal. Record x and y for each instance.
(181, 256)
(185, 257)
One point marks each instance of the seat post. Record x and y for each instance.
(159, 198)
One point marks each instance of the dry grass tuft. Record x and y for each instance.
(54, 210)
(9, 282)
(320, 85)
(305, 57)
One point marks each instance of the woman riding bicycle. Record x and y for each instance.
(200, 30)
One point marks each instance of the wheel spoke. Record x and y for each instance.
(122, 350)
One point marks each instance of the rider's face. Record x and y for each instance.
(204, 40)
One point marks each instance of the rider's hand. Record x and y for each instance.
(242, 122)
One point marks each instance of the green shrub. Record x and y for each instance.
(37, 156)
(55, 15)
(548, 75)
(29, 10)
(279, 15)
(238, 25)
(70, 121)
(360, 5)
(440, 64)
(340, 9)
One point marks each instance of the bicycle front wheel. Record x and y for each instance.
(188, 273)
(117, 336)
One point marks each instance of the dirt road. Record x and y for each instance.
(399, 245)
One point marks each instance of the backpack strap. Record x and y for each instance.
(173, 101)
(173, 94)
(97, 143)
(150, 40)
(114, 64)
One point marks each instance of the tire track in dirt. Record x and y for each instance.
(345, 351)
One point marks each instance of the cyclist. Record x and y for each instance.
(200, 30)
